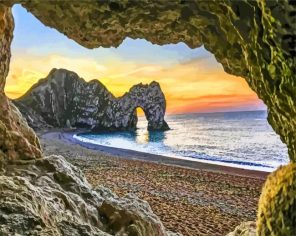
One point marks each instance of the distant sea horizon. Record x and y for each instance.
(210, 112)
(242, 139)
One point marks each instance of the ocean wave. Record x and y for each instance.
(244, 143)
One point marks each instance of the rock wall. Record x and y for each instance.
(252, 39)
(64, 99)
(49, 196)
(17, 140)
(276, 212)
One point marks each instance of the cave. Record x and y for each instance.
(251, 39)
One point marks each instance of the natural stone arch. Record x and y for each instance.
(65, 100)
(150, 98)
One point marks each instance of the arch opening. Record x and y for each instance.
(142, 133)
(257, 60)
(142, 118)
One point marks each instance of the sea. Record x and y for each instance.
(238, 139)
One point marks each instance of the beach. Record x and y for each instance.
(192, 198)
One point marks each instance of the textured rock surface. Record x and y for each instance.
(49, 196)
(252, 39)
(244, 229)
(17, 140)
(277, 204)
(64, 99)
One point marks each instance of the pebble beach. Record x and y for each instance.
(192, 201)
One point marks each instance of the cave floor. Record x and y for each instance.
(192, 202)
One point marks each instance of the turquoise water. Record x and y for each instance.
(240, 139)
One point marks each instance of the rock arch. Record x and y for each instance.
(147, 96)
(63, 99)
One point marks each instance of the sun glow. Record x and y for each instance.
(191, 79)
(188, 87)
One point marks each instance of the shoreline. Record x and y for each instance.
(203, 199)
(67, 137)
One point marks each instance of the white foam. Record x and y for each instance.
(128, 146)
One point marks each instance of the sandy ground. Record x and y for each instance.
(202, 200)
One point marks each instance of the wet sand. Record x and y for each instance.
(190, 197)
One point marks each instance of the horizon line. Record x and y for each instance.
(212, 112)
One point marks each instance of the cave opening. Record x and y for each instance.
(192, 80)
(258, 79)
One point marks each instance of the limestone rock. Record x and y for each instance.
(244, 229)
(277, 204)
(252, 39)
(17, 140)
(63, 99)
(49, 196)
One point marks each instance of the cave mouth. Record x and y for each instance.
(264, 59)
(188, 70)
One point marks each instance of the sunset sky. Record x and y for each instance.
(191, 79)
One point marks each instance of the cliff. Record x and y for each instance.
(63, 99)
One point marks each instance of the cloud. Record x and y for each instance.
(190, 86)
(196, 60)
(191, 79)
(26, 70)
(148, 69)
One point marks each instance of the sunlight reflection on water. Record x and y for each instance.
(243, 139)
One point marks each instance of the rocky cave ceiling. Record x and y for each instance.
(251, 39)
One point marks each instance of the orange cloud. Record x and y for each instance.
(191, 86)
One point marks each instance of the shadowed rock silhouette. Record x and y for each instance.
(63, 99)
